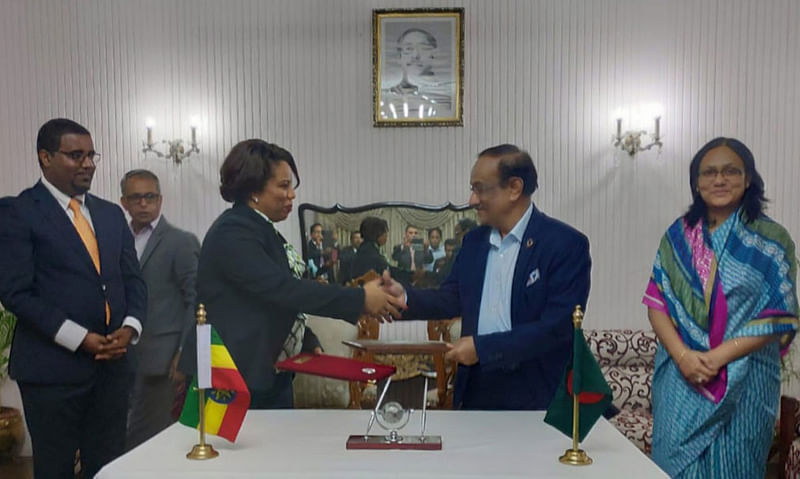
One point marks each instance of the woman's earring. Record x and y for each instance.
(255, 199)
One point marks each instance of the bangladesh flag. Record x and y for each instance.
(226, 398)
(583, 375)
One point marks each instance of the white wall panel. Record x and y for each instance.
(545, 74)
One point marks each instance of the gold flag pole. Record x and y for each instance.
(202, 450)
(575, 456)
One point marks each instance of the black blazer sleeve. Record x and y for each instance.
(238, 255)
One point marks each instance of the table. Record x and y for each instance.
(310, 443)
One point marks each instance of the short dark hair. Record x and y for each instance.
(430, 38)
(450, 242)
(372, 228)
(514, 163)
(139, 173)
(435, 228)
(753, 201)
(410, 226)
(311, 230)
(249, 166)
(353, 233)
(49, 136)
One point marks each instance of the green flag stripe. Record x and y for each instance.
(190, 415)
(215, 339)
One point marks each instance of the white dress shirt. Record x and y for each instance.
(436, 253)
(71, 334)
(141, 238)
(495, 311)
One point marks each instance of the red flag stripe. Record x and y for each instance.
(586, 397)
(234, 416)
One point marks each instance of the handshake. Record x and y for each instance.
(384, 298)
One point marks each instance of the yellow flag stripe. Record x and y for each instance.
(221, 358)
(214, 414)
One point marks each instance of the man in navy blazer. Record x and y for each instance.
(515, 283)
(79, 300)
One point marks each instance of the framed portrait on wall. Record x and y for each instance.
(418, 67)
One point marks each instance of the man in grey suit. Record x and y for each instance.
(168, 257)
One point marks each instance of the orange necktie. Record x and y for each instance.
(89, 240)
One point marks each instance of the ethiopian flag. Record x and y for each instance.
(226, 396)
(584, 377)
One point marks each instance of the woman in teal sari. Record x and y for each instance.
(722, 300)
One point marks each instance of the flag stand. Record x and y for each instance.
(202, 450)
(575, 456)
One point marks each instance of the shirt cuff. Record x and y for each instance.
(71, 335)
(136, 325)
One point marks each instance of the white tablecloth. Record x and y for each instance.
(311, 444)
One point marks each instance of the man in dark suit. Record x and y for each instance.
(410, 256)
(347, 255)
(315, 250)
(168, 258)
(68, 271)
(515, 284)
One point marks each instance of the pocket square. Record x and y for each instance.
(533, 277)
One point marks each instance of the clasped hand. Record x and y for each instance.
(699, 367)
(110, 346)
(461, 351)
(381, 299)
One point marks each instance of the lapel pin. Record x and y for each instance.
(529, 243)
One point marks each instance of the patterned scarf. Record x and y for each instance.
(294, 341)
(694, 269)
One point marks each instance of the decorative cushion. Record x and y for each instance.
(627, 359)
(637, 427)
(792, 466)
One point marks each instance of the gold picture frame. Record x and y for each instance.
(418, 67)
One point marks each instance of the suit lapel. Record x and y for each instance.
(526, 248)
(481, 257)
(61, 223)
(102, 229)
(155, 238)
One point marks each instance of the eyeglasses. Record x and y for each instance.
(481, 189)
(79, 155)
(728, 172)
(147, 197)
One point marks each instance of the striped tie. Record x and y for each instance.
(89, 240)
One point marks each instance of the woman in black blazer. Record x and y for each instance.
(374, 232)
(249, 276)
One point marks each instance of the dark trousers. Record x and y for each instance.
(151, 408)
(279, 396)
(502, 390)
(64, 418)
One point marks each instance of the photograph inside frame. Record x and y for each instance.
(418, 67)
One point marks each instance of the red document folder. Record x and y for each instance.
(335, 367)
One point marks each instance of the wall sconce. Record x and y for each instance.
(631, 141)
(175, 148)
